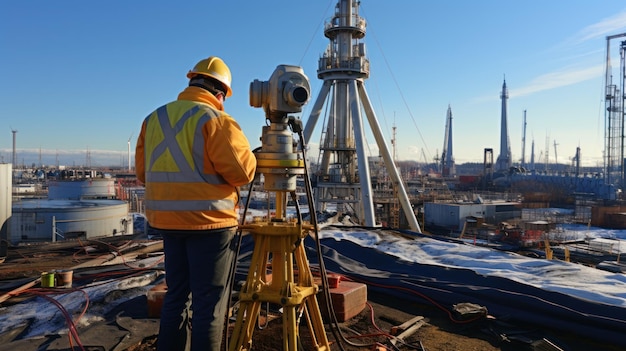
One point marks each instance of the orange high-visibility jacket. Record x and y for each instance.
(192, 156)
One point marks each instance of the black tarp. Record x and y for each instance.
(505, 299)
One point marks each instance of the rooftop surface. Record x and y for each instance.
(569, 306)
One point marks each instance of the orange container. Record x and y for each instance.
(155, 298)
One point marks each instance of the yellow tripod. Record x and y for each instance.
(283, 241)
(280, 163)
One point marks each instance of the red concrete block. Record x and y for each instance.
(333, 280)
(348, 298)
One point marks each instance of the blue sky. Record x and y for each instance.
(77, 78)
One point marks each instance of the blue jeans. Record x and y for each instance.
(197, 264)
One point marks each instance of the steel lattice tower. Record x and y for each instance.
(614, 100)
(344, 175)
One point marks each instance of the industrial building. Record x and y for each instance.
(452, 216)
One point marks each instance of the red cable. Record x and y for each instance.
(73, 333)
(433, 302)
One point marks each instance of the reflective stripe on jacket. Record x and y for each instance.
(191, 157)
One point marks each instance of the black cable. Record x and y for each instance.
(313, 214)
(233, 267)
(335, 329)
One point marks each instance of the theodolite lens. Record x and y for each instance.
(300, 95)
(285, 92)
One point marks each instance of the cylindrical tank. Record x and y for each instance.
(5, 206)
(52, 220)
(96, 188)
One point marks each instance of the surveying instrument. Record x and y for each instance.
(280, 239)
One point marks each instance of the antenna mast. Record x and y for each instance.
(129, 168)
(393, 139)
(14, 157)
(524, 141)
(556, 158)
(547, 160)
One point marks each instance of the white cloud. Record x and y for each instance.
(608, 26)
(558, 79)
(613, 25)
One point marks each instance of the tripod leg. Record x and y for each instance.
(244, 326)
(249, 309)
(314, 315)
(290, 329)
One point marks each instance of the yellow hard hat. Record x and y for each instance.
(215, 68)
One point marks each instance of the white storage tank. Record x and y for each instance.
(91, 188)
(53, 220)
(5, 206)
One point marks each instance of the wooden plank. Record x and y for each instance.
(408, 332)
(104, 260)
(404, 326)
(10, 294)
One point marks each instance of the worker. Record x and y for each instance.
(192, 156)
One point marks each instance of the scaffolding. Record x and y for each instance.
(614, 116)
